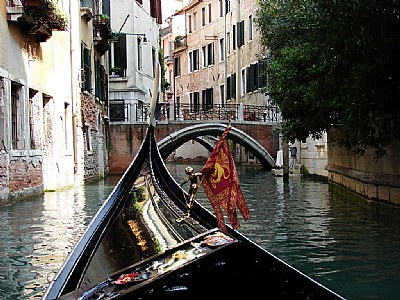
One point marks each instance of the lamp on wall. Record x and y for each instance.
(118, 34)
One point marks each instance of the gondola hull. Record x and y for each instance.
(135, 248)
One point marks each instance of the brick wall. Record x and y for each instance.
(25, 173)
(3, 175)
(126, 139)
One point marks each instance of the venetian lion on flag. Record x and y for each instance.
(221, 184)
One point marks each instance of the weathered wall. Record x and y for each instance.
(379, 180)
(125, 140)
(25, 175)
(314, 155)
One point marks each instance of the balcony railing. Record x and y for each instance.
(134, 113)
(233, 112)
(37, 17)
(129, 113)
(180, 43)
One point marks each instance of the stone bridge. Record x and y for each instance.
(260, 138)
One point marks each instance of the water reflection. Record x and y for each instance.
(346, 243)
(37, 234)
(350, 245)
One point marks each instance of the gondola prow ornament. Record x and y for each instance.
(194, 187)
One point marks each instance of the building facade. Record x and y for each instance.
(216, 55)
(133, 58)
(44, 108)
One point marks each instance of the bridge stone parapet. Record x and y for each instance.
(125, 139)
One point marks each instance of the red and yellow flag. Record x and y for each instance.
(221, 184)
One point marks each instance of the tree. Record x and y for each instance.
(334, 65)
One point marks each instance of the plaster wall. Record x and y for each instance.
(235, 61)
(314, 155)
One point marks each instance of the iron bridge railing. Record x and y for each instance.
(132, 113)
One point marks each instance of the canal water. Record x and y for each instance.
(348, 244)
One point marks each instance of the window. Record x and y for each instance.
(117, 110)
(153, 60)
(139, 54)
(252, 78)
(177, 66)
(88, 138)
(210, 54)
(243, 82)
(204, 55)
(153, 9)
(231, 86)
(240, 33)
(228, 42)
(190, 23)
(227, 6)
(100, 86)
(250, 28)
(255, 77)
(234, 37)
(33, 111)
(194, 60)
(203, 16)
(16, 111)
(222, 95)
(117, 55)
(221, 49)
(194, 21)
(224, 7)
(207, 98)
(209, 14)
(87, 70)
(194, 102)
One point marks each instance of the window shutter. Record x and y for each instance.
(204, 99)
(262, 79)
(233, 85)
(255, 76)
(234, 37)
(210, 98)
(210, 53)
(240, 33)
(87, 69)
(248, 80)
(153, 9)
(228, 88)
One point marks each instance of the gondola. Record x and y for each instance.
(138, 247)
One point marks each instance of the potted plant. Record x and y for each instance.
(115, 70)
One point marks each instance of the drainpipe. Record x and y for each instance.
(73, 102)
(225, 58)
(239, 71)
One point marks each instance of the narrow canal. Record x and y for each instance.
(350, 245)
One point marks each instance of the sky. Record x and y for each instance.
(170, 6)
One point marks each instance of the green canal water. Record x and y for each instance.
(348, 244)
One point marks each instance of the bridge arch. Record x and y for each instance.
(172, 141)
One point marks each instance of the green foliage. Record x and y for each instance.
(333, 65)
(164, 83)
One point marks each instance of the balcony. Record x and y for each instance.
(102, 33)
(180, 43)
(38, 17)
